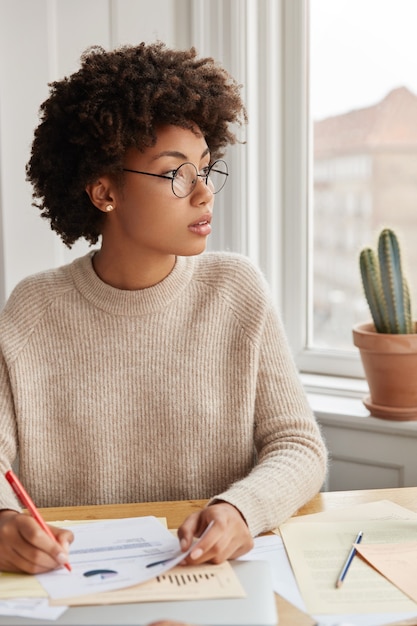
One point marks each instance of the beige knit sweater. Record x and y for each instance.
(183, 390)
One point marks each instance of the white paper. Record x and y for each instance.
(112, 555)
(35, 608)
(271, 548)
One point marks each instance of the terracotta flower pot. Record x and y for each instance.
(390, 364)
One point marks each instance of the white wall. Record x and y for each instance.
(42, 40)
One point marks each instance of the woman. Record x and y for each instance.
(147, 370)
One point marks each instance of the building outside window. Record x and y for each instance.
(361, 107)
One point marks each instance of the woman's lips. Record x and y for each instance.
(202, 227)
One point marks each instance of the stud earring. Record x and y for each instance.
(109, 208)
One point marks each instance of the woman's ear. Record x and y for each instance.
(101, 194)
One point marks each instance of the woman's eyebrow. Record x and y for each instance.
(176, 154)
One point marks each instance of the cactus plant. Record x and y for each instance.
(386, 288)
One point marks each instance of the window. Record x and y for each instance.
(352, 82)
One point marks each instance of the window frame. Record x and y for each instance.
(297, 197)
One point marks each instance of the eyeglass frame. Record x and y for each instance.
(174, 173)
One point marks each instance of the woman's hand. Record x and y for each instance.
(26, 548)
(228, 538)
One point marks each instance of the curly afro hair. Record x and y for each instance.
(115, 101)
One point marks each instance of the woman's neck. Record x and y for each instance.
(131, 274)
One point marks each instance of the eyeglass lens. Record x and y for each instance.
(186, 177)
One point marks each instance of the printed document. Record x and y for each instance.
(192, 582)
(112, 555)
(378, 510)
(318, 550)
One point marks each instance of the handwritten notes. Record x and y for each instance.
(397, 562)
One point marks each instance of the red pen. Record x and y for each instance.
(27, 502)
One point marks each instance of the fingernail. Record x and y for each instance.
(195, 554)
(62, 558)
(183, 544)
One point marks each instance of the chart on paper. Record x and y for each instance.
(193, 577)
(190, 582)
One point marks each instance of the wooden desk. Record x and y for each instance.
(175, 513)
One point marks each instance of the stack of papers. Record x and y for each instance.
(110, 564)
(373, 591)
(117, 561)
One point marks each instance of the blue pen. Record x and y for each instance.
(185, 554)
(161, 562)
(349, 560)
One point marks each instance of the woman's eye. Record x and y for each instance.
(205, 170)
(181, 173)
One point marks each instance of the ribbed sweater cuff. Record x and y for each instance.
(248, 507)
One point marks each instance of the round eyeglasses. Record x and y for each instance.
(185, 177)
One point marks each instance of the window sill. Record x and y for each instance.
(335, 385)
(337, 402)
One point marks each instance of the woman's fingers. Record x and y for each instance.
(228, 538)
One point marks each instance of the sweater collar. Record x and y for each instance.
(125, 302)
